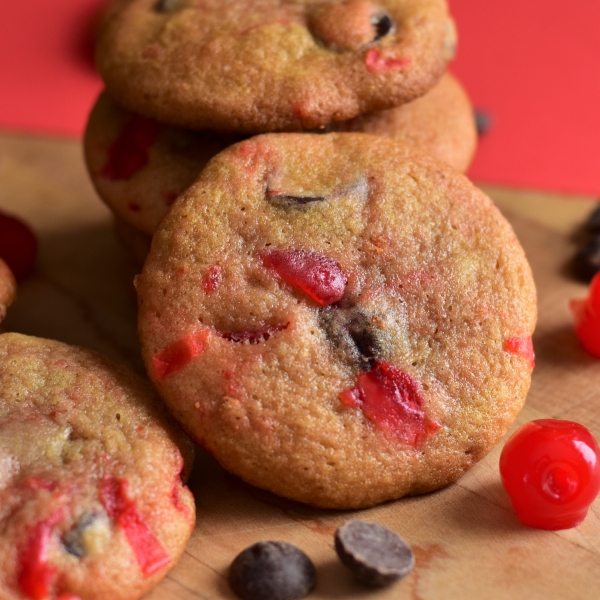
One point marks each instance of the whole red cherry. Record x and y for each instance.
(586, 312)
(551, 471)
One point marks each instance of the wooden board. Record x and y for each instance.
(467, 540)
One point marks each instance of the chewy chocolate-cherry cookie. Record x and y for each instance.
(338, 318)
(139, 166)
(273, 64)
(92, 503)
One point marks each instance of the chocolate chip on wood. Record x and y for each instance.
(272, 571)
(375, 554)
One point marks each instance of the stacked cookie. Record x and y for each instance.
(337, 316)
(205, 76)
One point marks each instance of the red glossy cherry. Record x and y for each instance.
(18, 245)
(551, 471)
(587, 318)
(316, 275)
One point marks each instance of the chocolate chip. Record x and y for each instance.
(272, 571)
(279, 199)
(72, 541)
(167, 6)
(586, 262)
(352, 334)
(364, 336)
(483, 121)
(374, 553)
(592, 223)
(383, 26)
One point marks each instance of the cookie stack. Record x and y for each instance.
(337, 316)
(204, 76)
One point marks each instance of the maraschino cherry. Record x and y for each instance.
(587, 318)
(551, 471)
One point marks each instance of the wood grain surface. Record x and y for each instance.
(467, 540)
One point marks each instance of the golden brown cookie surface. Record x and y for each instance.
(271, 65)
(441, 123)
(338, 318)
(92, 503)
(139, 166)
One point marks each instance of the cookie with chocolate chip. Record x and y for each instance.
(139, 166)
(8, 288)
(92, 503)
(275, 65)
(338, 318)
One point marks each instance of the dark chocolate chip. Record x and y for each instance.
(352, 335)
(72, 540)
(592, 223)
(280, 199)
(586, 262)
(272, 571)
(483, 121)
(374, 553)
(364, 336)
(167, 6)
(383, 26)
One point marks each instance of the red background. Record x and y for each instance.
(533, 65)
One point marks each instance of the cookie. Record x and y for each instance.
(338, 318)
(139, 166)
(275, 65)
(92, 503)
(440, 123)
(8, 288)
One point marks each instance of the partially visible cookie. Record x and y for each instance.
(92, 503)
(338, 318)
(274, 64)
(441, 123)
(8, 288)
(139, 166)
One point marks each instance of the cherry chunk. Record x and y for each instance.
(315, 274)
(393, 401)
(550, 470)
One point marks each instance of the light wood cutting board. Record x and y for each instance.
(466, 538)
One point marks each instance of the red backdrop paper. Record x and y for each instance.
(534, 66)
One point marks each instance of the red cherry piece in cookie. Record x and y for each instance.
(522, 346)
(392, 400)
(113, 495)
(315, 274)
(550, 470)
(149, 552)
(18, 245)
(212, 278)
(377, 62)
(177, 355)
(130, 152)
(35, 573)
(587, 318)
